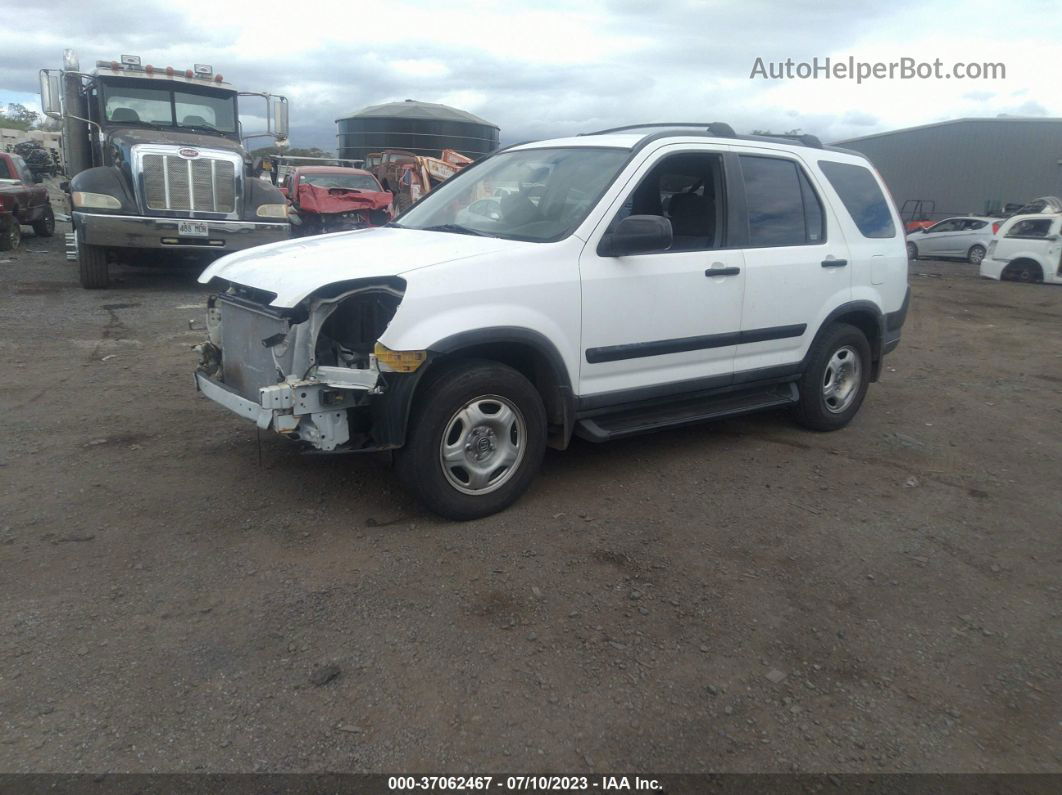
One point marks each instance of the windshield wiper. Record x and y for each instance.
(456, 228)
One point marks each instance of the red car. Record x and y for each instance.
(334, 199)
(22, 202)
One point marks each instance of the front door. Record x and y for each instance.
(668, 321)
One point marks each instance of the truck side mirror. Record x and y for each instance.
(280, 118)
(637, 234)
(50, 94)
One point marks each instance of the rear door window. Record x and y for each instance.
(783, 208)
(1032, 227)
(862, 198)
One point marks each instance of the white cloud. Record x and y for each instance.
(546, 68)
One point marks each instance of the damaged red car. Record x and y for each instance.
(332, 199)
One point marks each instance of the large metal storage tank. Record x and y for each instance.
(424, 128)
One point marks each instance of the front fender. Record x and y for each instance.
(110, 181)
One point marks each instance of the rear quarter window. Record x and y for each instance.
(862, 198)
(1033, 227)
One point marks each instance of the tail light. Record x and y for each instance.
(995, 227)
(991, 249)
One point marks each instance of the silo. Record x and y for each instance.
(423, 128)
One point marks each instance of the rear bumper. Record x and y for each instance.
(131, 231)
(894, 323)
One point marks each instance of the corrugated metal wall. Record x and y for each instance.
(969, 166)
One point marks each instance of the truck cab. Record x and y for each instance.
(157, 162)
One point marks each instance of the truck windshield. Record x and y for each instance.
(538, 195)
(169, 107)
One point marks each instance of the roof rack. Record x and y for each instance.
(715, 129)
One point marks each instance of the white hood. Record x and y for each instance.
(295, 268)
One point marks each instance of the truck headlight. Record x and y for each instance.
(273, 211)
(97, 201)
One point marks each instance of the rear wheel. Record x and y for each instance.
(476, 440)
(93, 268)
(45, 225)
(10, 234)
(976, 254)
(912, 251)
(1027, 272)
(834, 385)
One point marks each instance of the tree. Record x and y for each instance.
(19, 117)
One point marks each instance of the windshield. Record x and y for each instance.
(169, 107)
(349, 181)
(539, 195)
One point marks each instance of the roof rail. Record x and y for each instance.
(718, 128)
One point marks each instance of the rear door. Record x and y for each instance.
(796, 262)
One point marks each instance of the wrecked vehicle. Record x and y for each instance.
(625, 281)
(22, 202)
(332, 199)
(156, 162)
(410, 176)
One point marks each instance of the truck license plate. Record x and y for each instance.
(192, 229)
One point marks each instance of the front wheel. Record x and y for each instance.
(92, 267)
(45, 225)
(476, 440)
(976, 254)
(834, 385)
(10, 234)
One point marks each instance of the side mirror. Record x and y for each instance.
(50, 94)
(280, 118)
(637, 234)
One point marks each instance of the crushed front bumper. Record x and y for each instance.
(314, 410)
(131, 231)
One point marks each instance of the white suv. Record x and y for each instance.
(1027, 248)
(627, 280)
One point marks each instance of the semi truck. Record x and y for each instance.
(156, 162)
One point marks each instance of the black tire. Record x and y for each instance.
(45, 225)
(439, 402)
(813, 410)
(1027, 272)
(93, 268)
(912, 251)
(10, 234)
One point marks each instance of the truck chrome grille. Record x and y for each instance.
(202, 184)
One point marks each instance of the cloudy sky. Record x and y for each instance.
(543, 69)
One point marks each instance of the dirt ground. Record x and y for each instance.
(745, 596)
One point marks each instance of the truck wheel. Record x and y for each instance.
(834, 385)
(45, 225)
(10, 235)
(92, 262)
(476, 440)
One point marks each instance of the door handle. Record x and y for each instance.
(731, 271)
(834, 263)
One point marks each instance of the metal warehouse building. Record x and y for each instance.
(968, 165)
(423, 128)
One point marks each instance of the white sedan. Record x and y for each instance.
(965, 236)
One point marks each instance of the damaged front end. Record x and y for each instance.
(309, 373)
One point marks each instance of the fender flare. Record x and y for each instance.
(391, 415)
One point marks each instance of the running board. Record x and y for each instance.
(606, 427)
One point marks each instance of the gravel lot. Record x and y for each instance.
(734, 597)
